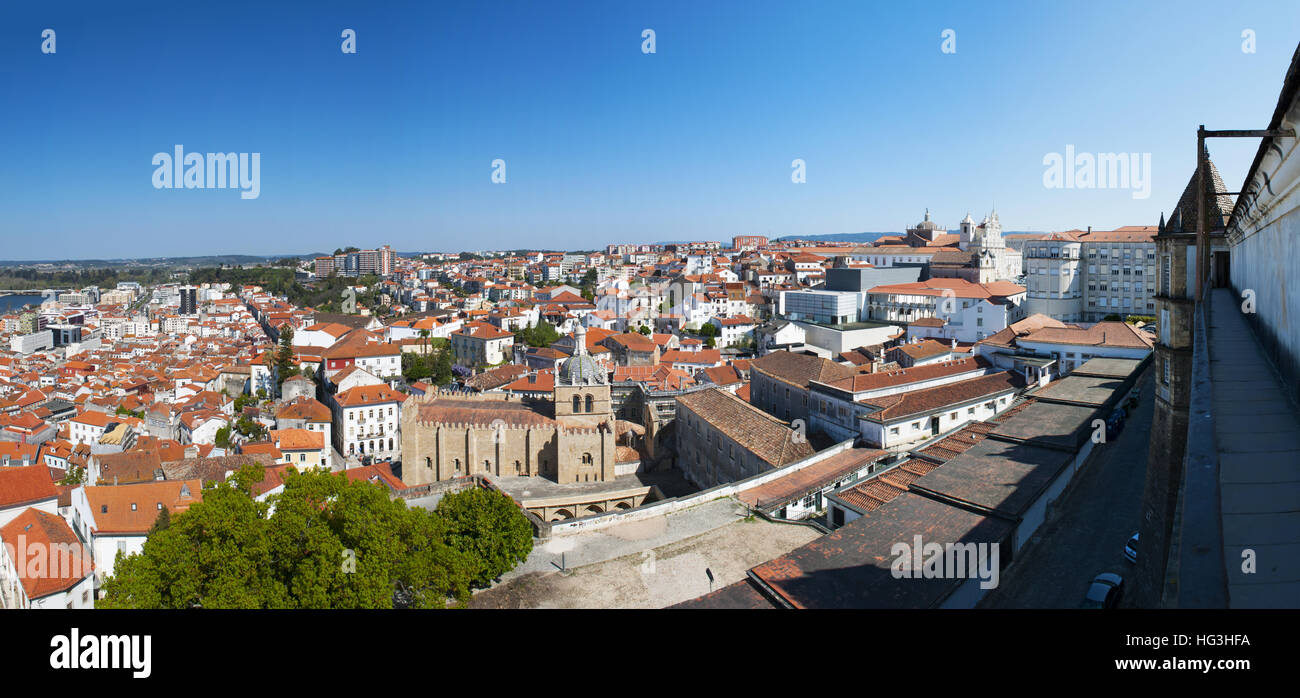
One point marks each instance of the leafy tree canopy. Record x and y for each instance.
(489, 528)
(330, 543)
(543, 334)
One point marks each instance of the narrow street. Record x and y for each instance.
(1098, 515)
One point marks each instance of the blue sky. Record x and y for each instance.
(602, 143)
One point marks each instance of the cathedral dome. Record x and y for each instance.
(581, 369)
(927, 224)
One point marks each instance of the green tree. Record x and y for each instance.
(490, 528)
(76, 475)
(162, 523)
(222, 439)
(414, 366)
(330, 543)
(284, 357)
(543, 334)
(215, 555)
(250, 428)
(442, 364)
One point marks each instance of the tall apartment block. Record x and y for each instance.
(189, 300)
(1083, 276)
(380, 262)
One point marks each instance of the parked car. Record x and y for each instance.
(1131, 549)
(1113, 428)
(1105, 591)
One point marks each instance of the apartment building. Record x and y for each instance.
(480, 343)
(367, 420)
(970, 311)
(379, 262)
(301, 448)
(1087, 275)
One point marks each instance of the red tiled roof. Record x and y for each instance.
(703, 356)
(860, 382)
(25, 485)
(368, 395)
(67, 562)
(1107, 334)
(762, 434)
(297, 439)
(914, 402)
(809, 478)
(960, 288)
(111, 505)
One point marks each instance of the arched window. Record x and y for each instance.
(428, 462)
(586, 459)
(577, 404)
(390, 444)
(589, 403)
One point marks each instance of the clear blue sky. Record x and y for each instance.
(603, 143)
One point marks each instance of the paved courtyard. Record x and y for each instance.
(646, 564)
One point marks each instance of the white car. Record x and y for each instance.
(1105, 591)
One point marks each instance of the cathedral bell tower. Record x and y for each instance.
(584, 443)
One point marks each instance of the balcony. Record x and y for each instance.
(1240, 473)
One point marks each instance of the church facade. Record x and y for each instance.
(989, 253)
(977, 253)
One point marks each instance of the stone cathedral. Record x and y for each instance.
(570, 438)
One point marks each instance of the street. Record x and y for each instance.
(1092, 523)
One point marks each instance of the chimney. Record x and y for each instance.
(1090, 230)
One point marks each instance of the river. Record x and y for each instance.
(9, 304)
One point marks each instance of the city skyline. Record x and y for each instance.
(601, 141)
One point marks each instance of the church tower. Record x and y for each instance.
(966, 239)
(585, 446)
(1172, 368)
(992, 237)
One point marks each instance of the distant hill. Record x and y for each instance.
(836, 237)
(196, 261)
